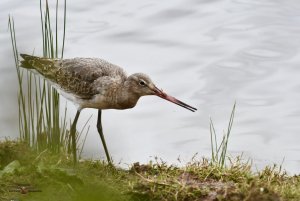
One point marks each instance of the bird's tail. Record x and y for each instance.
(44, 66)
(29, 61)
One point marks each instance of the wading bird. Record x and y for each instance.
(95, 83)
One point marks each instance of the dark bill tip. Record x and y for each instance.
(165, 96)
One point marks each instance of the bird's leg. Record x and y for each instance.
(73, 136)
(100, 131)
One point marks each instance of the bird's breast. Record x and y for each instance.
(101, 101)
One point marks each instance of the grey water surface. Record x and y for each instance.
(208, 54)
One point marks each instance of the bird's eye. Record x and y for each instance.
(142, 83)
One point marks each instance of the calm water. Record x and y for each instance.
(206, 53)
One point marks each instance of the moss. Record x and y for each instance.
(45, 176)
(10, 150)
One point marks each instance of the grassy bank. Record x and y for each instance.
(28, 175)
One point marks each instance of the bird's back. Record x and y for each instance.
(78, 75)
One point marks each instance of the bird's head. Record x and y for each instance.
(141, 85)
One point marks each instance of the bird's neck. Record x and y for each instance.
(125, 97)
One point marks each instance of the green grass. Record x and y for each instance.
(219, 152)
(41, 123)
(91, 180)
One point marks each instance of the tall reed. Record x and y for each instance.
(40, 123)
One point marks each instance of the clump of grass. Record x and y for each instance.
(40, 122)
(203, 180)
(218, 152)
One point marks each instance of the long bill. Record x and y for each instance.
(165, 96)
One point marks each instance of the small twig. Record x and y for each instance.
(151, 181)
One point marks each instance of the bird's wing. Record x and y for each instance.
(77, 76)
(80, 75)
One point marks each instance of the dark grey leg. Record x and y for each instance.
(100, 131)
(73, 136)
